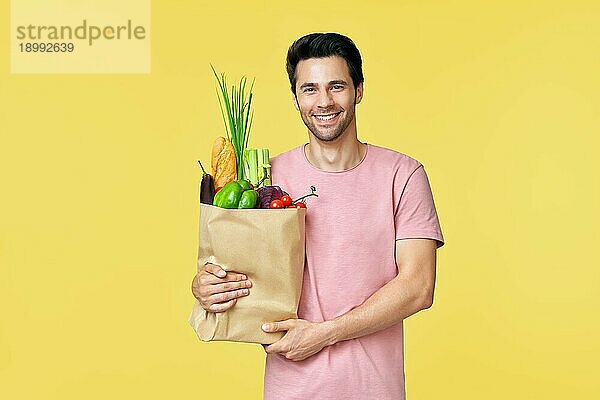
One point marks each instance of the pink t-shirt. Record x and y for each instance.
(351, 229)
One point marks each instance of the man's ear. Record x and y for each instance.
(295, 100)
(359, 93)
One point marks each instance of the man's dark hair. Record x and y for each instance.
(321, 45)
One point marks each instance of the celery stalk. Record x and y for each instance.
(265, 166)
(260, 170)
(246, 166)
(252, 166)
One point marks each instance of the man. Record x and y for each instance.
(371, 240)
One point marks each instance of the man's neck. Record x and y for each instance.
(340, 155)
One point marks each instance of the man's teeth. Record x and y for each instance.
(326, 117)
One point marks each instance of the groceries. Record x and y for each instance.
(241, 194)
(257, 166)
(241, 176)
(238, 236)
(236, 194)
(223, 162)
(275, 198)
(207, 187)
(285, 201)
(249, 199)
(268, 247)
(235, 108)
(267, 194)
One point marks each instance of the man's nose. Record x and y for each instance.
(325, 99)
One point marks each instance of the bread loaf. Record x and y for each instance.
(224, 167)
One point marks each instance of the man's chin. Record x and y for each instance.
(326, 138)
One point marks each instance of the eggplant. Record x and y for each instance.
(207, 187)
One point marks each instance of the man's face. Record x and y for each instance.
(325, 96)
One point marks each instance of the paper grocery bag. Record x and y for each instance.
(268, 246)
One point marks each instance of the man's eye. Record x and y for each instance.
(308, 89)
(338, 87)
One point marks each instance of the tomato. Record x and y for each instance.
(219, 188)
(300, 205)
(287, 200)
(276, 204)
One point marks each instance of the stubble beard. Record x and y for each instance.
(324, 134)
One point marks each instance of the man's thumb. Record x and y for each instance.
(278, 326)
(216, 270)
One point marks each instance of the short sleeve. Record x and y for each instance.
(415, 215)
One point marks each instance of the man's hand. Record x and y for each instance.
(302, 340)
(218, 290)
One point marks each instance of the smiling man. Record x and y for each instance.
(371, 241)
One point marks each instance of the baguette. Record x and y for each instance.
(223, 163)
(217, 148)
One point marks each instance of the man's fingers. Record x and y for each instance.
(226, 296)
(220, 307)
(217, 290)
(279, 346)
(212, 273)
(215, 270)
(279, 326)
(273, 348)
(229, 286)
(210, 279)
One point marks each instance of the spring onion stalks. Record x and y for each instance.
(235, 108)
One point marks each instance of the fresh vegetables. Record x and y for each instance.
(223, 162)
(237, 170)
(264, 166)
(245, 184)
(249, 199)
(257, 167)
(284, 201)
(229, 196)
(267, 194)
(276, 204)
(235, 109)
(207, 187)
(241, 194)
(236, 194)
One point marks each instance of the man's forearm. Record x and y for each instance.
(398, 299)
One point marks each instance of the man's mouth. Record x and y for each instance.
(327, 117)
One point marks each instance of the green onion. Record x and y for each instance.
(235, 108)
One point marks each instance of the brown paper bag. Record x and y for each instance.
(266, 245)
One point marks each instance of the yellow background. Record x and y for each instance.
(500, 101)
(116, 55)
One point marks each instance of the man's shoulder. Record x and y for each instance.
(394, 158)
(380, 155)
(287, 155)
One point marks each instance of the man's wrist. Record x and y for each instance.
(331, 332)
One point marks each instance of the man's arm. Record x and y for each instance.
(409, 292)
